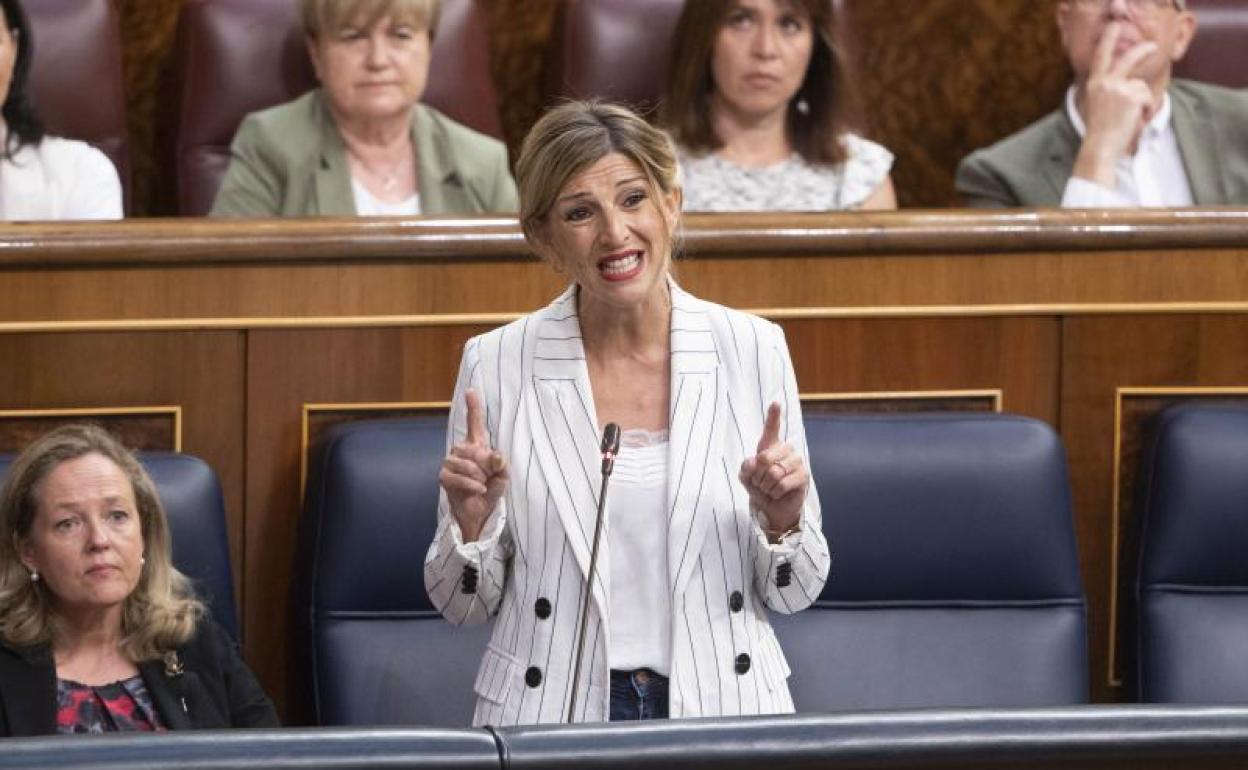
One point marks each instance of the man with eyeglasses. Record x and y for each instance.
(1128, 134)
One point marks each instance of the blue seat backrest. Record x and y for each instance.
(1192, 589)
(955, 577)
(191, 494)
(370, 645)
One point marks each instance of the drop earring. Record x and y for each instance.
(34, 576)
(802, 106)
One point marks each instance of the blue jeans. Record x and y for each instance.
(640, 694)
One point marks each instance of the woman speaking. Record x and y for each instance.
(711, 519)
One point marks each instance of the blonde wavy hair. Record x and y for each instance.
(574, 136)
(162, 611)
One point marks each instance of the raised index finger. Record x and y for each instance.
(771, 427)
(476, 418)
(1103, 56)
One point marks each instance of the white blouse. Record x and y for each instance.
(368, 205)
(58, 179)
(636, 532)
(714, 184)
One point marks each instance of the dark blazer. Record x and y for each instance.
(1031, 167)
(214, 690)
(289, 160)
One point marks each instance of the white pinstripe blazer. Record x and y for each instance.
(726, 368)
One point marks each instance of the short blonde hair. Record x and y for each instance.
(575, 135)
(157, 617)
(319, 15)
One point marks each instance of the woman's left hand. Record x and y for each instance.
(776, 478)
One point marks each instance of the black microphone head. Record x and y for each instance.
(611, 439)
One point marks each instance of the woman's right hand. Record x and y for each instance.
(474, 475)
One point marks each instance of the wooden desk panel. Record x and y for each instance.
(200, 373)
(246, 323)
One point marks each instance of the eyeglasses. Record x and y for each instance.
(1135, 6)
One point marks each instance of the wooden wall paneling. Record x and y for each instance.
(945, 77)
(1018, 356)
(199, 372)
(142, 428)
(1100, 356)
(288, 370)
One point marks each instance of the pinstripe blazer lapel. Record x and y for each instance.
(565, 431)
(698, 411)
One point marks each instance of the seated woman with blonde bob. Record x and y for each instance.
(98, 631)
(712, 518)
(361, 144)
(755, 101)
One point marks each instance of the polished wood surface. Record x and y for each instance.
(164, 274)
(108, 374)
(200, 242)
(258, 329)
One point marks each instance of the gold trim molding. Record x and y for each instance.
(362, 406)
(996, 394)
(104, 411)
(243, 323)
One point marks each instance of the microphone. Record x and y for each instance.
(610, 448)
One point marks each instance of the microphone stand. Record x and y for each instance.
(610, 448)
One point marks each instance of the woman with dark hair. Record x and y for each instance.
(756, 103)
(43, 177)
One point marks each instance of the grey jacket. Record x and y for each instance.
(1031, 167)
(289, 160)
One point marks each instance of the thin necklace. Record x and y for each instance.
(388, 177)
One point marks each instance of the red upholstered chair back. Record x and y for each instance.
(233, 57)
(76, 75)
(611, 49)
(1217, 55)
(616, 50)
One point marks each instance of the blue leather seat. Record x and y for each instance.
(955, 577)
(371, 649)
(191, 494)
(1192, 589)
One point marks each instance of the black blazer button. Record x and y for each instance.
(533, 677)
(541, 608)
(736, 601)
(743, 663)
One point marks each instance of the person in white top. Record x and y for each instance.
(44, 177)
(756, 104)
(713, 518)
(1128, 134)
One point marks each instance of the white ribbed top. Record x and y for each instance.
(641, 610)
